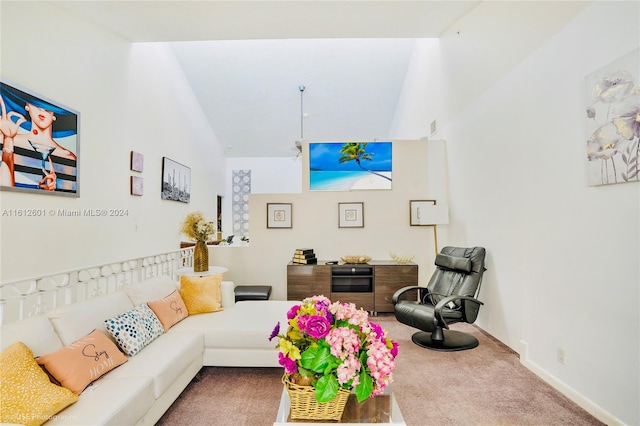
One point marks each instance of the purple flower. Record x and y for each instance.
(317, 326)
(288, 364)
(293, 311)
(275, 331)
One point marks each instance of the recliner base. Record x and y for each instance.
(453, 341)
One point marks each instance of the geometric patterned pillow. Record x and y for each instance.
(134, 329)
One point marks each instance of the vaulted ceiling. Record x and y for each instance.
(246, 60)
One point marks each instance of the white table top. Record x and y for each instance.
(285, 406)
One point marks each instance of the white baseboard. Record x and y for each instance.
(575, 396)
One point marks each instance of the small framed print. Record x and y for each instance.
(137, 185)
(350, 215)
(137, 161)
(278, 215)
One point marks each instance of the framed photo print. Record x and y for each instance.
(176, 181)
(40, 143)
(350, 215)
(278, 215)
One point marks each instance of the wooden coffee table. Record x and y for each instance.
(382, 409)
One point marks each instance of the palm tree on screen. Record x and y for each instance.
(357, 151)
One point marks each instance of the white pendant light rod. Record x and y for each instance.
(301, 88)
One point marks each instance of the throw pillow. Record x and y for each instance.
(150, 289)
(201, 294)
(26, 395)
(134, 329)
(83, 361)
(169, 310)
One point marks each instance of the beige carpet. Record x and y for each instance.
(483, 386)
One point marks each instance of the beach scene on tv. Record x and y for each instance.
(346, 166)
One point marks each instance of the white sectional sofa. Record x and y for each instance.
(139, 391)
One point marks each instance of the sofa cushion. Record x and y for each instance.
(26, 394)
(247, 324)
(201, 294)
(134, 329)
(170, 310)
(108, 401)
(82, 362)
(164, 360)
(151, 289)
(75, 321)
(35, 332)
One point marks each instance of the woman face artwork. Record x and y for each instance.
(39, 142)
(40, 118)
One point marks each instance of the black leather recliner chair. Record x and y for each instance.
(450, 297)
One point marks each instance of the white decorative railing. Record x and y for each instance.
(30, 297)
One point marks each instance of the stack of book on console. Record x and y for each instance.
(304, 257)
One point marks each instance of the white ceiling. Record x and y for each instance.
(246, 60)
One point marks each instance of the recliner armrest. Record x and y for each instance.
(469, 313)
(396, 296)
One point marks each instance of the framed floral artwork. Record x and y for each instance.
(612, 128)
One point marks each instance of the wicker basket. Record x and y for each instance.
(304, 405)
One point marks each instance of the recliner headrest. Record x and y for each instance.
(453, 263)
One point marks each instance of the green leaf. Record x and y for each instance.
(326, 388)
(304, 372)
(365, 387)
(316, 359)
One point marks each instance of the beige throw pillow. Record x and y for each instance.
(169, 310)
(83, 361)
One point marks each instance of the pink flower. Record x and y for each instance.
(344, 341)
(293, 311)
(317, 326)
(348, 370)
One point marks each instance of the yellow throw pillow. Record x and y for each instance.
(83, 361)
(26, 395)
(201, 294)
(170, 310)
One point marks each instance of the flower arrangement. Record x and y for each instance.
(334, 345)
(196, 227)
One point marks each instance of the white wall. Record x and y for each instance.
(131, 97)
(315, 222)
(563, 257)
